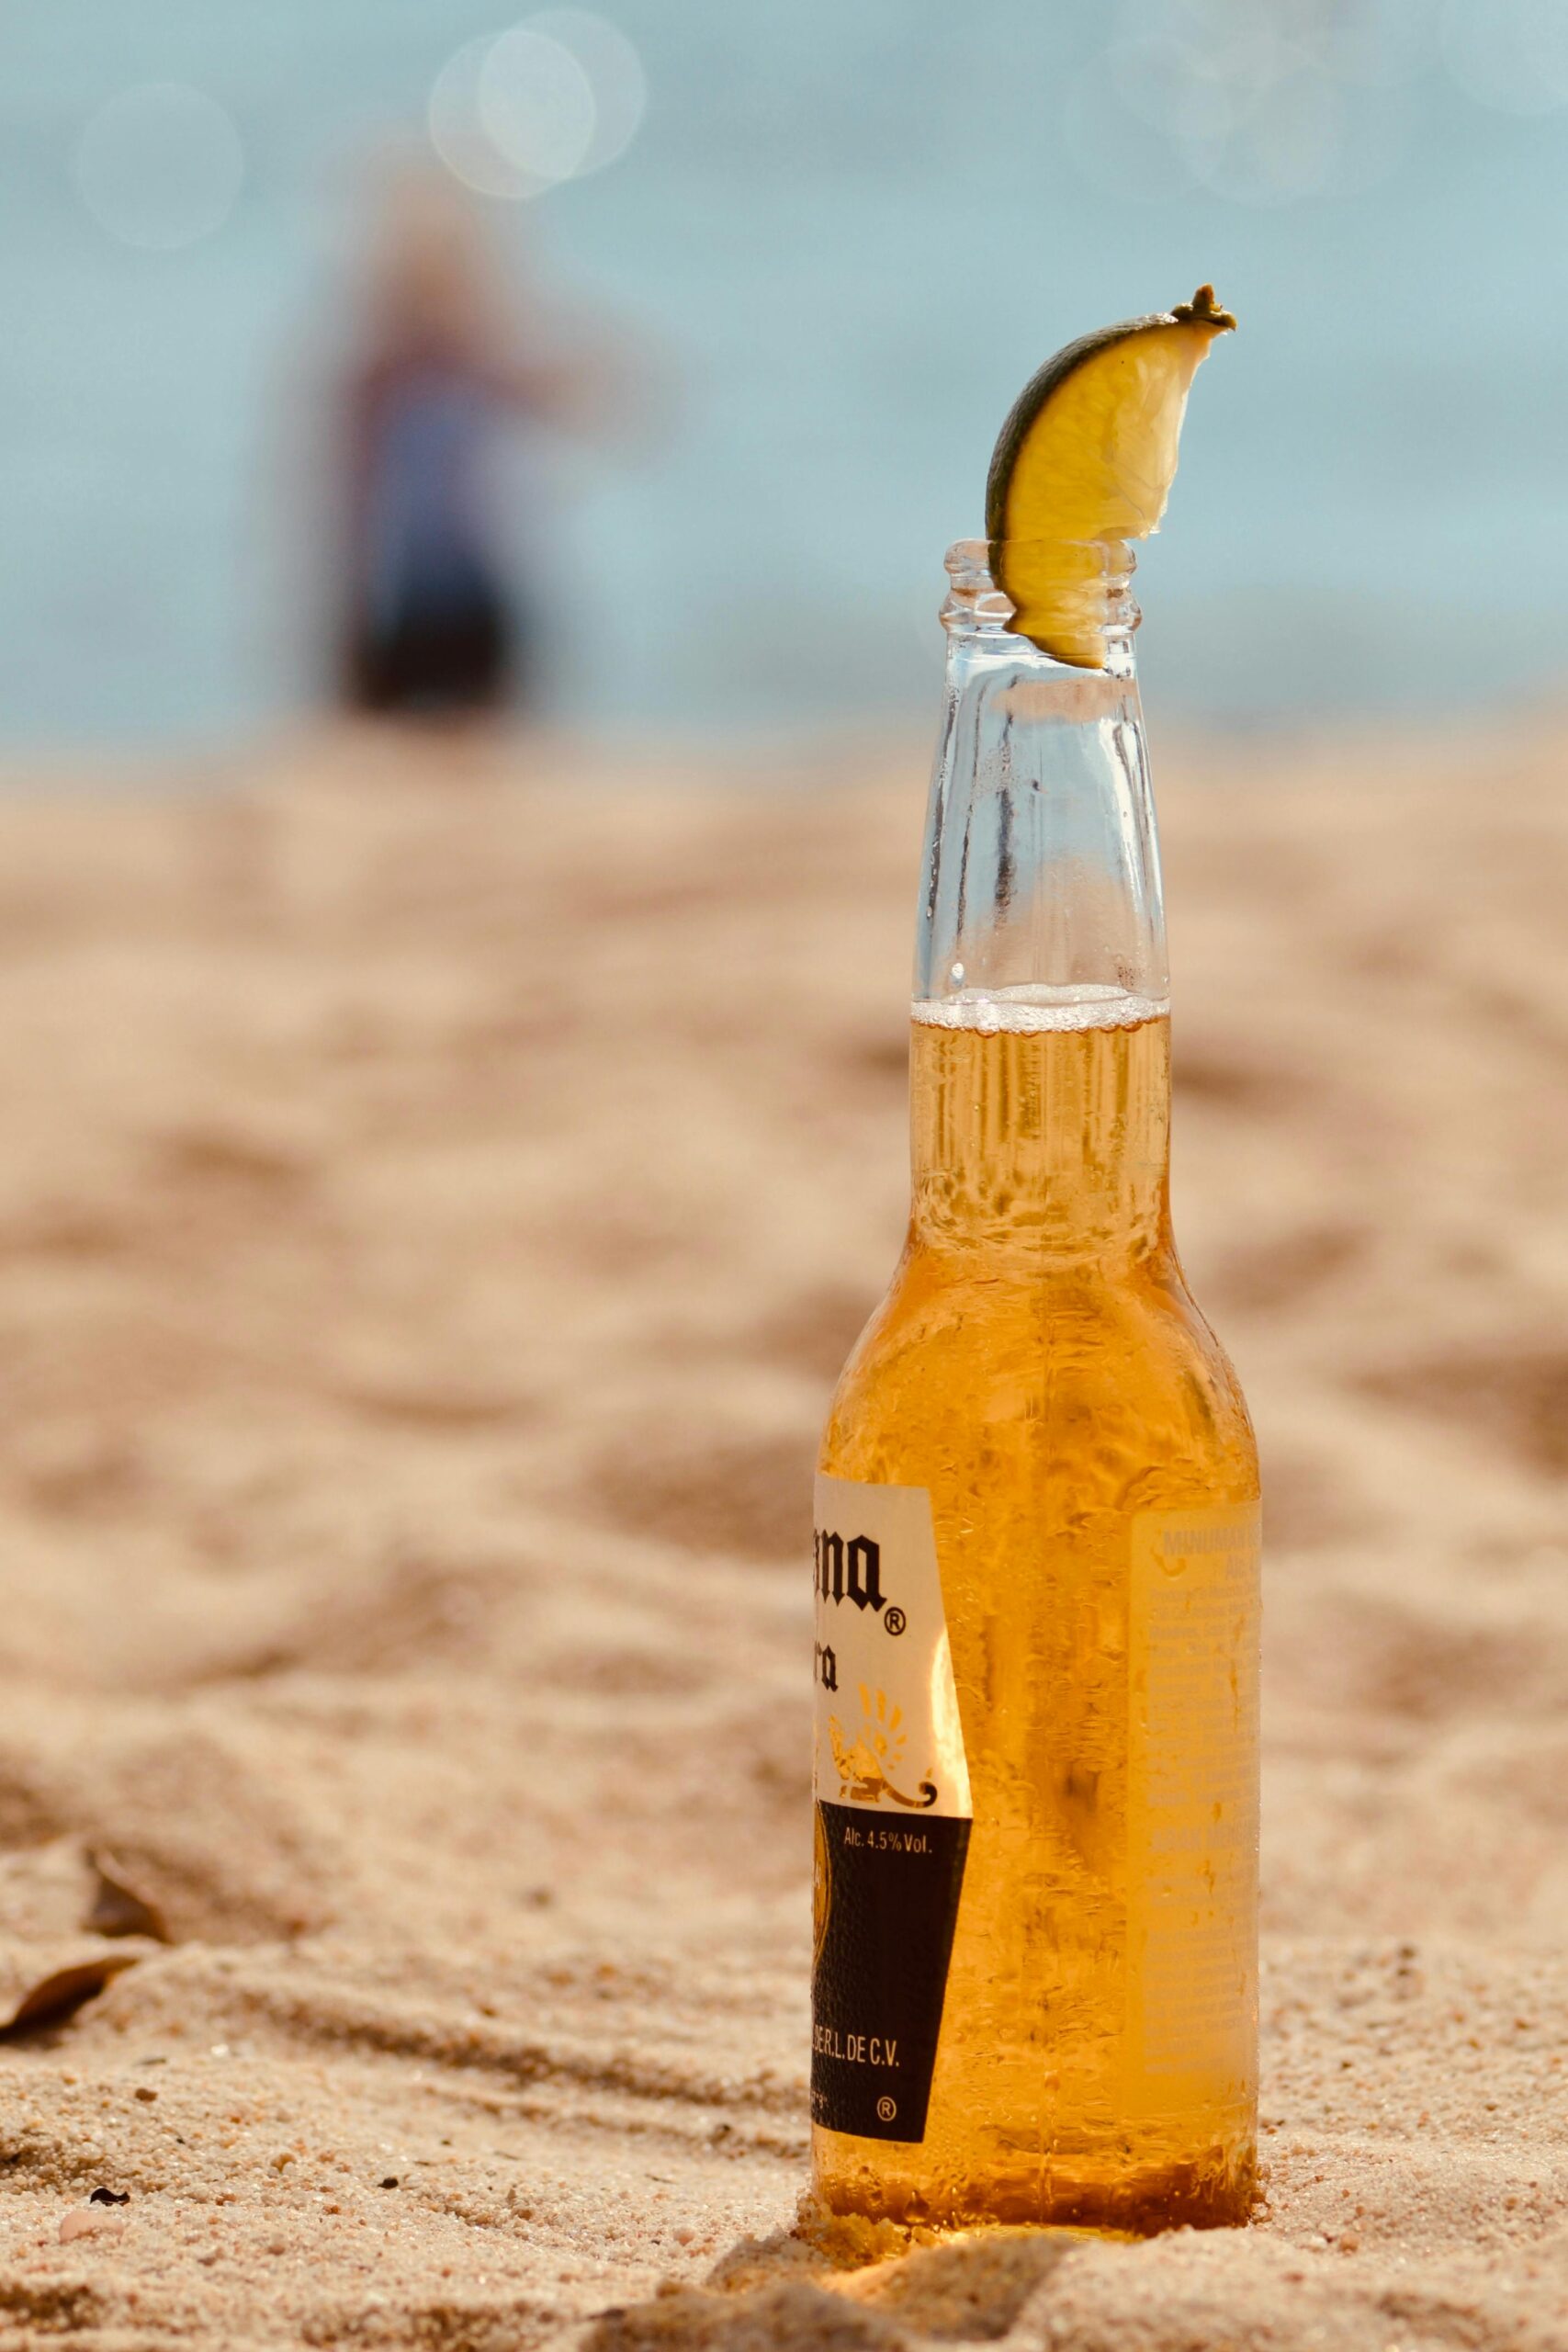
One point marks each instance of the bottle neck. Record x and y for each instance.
(1041, 877)
(1041, 1088)
(1031, 1143)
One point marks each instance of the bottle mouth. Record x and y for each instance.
(1101, 571)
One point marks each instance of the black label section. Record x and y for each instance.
(887, 1899)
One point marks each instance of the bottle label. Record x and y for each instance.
(1192, 1806)
(893, 1810)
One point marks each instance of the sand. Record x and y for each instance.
(436, 1197)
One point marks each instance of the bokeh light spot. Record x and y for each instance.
(535, 105)
(1169, 86)
(1262, 108)
(1115, 148)
(1378, 44)
(615, 75)
(160, 165)
(1511, 54)
(517, 112)
(460, 134)
(1286, 141)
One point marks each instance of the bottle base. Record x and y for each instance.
(1217, 2191)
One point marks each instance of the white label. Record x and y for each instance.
(888, 1735)
(1193, 1796)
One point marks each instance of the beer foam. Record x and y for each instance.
(1026, 1011)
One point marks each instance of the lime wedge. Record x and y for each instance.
(1085, 458)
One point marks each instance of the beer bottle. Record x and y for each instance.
(1034, 1983)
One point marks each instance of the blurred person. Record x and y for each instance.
(450, 364)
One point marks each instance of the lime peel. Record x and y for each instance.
(1084, 463)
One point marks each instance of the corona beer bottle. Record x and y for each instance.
(1037, 1528)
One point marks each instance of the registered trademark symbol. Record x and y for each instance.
(887, 2108)
(895, 1621)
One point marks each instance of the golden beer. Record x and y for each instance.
(1036, 1582)
(1041, 1369)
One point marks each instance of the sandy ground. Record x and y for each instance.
(432, 1212)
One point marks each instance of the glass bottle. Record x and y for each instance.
(1034, 1986)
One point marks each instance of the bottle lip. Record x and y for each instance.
(975, 601)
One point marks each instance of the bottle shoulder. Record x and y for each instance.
(1043, 1361)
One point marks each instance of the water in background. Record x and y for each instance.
(849, 229)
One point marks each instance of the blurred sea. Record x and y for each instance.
(847, 230)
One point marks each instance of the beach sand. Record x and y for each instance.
(436, 1195)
